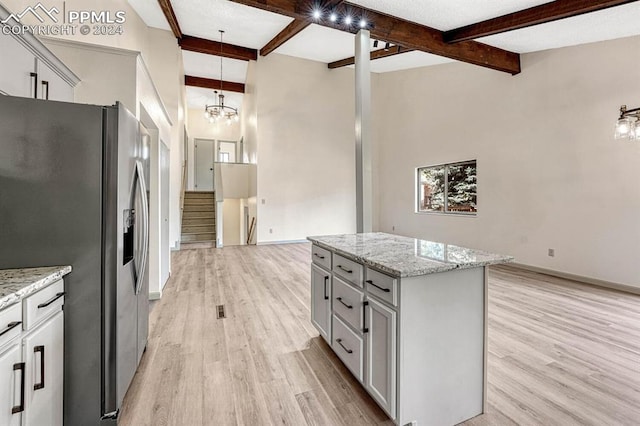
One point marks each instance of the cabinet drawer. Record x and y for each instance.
(10, 323)
(382, 286)
(347, 302)
(43, 304)
(321, 257)
(348, 346)
(347, 269)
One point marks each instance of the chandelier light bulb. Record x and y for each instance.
(237, 118)
(207, 114)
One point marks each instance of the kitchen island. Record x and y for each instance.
(408, 318)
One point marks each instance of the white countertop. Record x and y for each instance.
(16, 284)
(406, 257)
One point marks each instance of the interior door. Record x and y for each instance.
(204, 158)
(165, 260)
(226, 152)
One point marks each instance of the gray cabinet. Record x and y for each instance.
(380, 379)
(15, 74)
(321, 301)
(52, 86)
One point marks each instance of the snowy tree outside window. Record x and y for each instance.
(448, 188)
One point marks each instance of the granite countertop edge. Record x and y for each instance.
(23, 282)
(434, 269)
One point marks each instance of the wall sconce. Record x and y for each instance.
(628, 125)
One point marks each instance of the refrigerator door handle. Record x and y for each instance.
(145, 214)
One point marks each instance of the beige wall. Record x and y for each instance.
(305, 149)
(231, 223)
(550, 174)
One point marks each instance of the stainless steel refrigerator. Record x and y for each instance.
(73, 192)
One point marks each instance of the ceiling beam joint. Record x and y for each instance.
(210, 83)
(210, 47)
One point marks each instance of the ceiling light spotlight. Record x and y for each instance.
(348, 20)
(317, 14)
(333, 17)
(363, 23)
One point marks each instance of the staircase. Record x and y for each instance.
(199, 217)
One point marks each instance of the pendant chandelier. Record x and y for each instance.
(221, 112)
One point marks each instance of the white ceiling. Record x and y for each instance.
(198, 97)
(244, 26)
(607, 24)
(447, 14)
(250, 27)
(208, 66)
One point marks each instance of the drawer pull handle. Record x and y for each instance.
(339, 299)
(348, 271)
(386, 290)
(35, 351)
(339, 341)
(318, 256)
(19, 408)
(364, 317)
(326, 278)
(50, 301)
(10, 327)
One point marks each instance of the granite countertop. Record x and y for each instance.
(406, 257)
(16, 284)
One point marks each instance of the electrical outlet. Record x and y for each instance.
(271, 230)
(552, 252)
(264, 201)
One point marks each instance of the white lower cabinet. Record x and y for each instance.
(11, 384)
(43, 352)
(380, 378)
(321, 301)
(32, 360)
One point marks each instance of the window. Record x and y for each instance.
(448, 188)
(224, 157)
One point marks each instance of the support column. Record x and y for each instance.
(364, 181)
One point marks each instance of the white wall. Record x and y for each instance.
(305, 149)
(232, 222)
(550, 174)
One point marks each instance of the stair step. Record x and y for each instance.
(198, 201)
(203, 236)
(197, 229)
(199, 194)
(205, 220)
(198, 208)
(198, 215)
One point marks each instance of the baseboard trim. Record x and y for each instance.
(579, 278)
(270, 243)
(155, 295)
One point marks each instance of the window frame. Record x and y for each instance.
(446, 189)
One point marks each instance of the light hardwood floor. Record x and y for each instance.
(560, 352)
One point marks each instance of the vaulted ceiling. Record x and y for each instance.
(490, 33)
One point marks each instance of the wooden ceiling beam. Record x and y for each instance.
(167, 9)
(547, 12)
(376, 54)
(295, 27)
(400, 32)
(210, 83)
(210, 47)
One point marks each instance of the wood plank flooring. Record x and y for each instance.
(560, 352)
